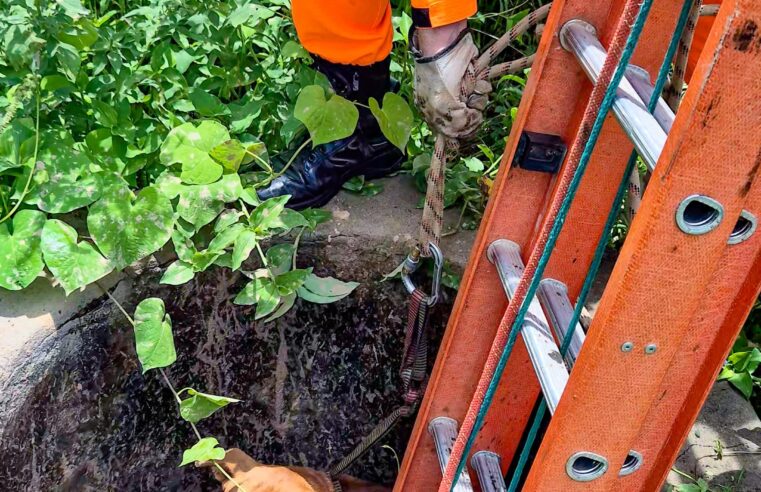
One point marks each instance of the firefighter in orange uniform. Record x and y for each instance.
(350, 41)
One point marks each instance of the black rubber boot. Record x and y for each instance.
(317, 174)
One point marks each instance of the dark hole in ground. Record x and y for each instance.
(312, 384)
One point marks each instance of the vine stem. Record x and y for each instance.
(34, 159)
(287, 165)
(262, 161)
(170, 386)
(296, 246)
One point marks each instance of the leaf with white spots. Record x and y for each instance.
(200, 204)
(20, 253)
(128, 229)
(326, 120)
(70, 183)
(154, 341)
(226, 237)
(244, 245)
(266, 216)
(74, 264)
(190, 146)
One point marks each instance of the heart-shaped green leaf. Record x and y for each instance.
(326, 120)
(20, 253)
(128, 230)
(324, 290)
(70, 184)
(108, 149)
(200, 405)
(395, 118)
(190, 145)
(266, 216)
(154, 341)
(204, 450)
(200, 204)
(207, 104)
(73, 264)
(17, 144)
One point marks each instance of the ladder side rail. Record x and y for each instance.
(552, 103)
(658, 284)
(693, 372)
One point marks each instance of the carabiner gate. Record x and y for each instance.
(412, 263)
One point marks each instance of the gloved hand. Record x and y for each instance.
(438, 80)
(255, 477)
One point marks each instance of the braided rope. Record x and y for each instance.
(674, 92)
(444, 148)
(627, 32)
(380, 430)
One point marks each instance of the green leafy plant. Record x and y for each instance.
(154, 344)
(128, 128)
(739, 370)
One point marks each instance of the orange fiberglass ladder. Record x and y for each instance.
(685, 280)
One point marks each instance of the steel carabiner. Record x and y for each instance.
(412, 263)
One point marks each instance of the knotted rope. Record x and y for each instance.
(445, 148)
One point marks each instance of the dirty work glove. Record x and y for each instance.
(437, 87)
(255, 477)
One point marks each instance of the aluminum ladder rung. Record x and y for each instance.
(489, 471)
(542, 349)
(640, 80)
(444, 432)
(553, 296)
(642, 128)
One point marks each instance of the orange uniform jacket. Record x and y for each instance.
(359, 32)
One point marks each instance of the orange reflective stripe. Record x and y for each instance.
(443, 12)
(345, 31)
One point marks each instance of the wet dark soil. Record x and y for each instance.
(313, 383)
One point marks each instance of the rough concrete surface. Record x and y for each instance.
(728, 423)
